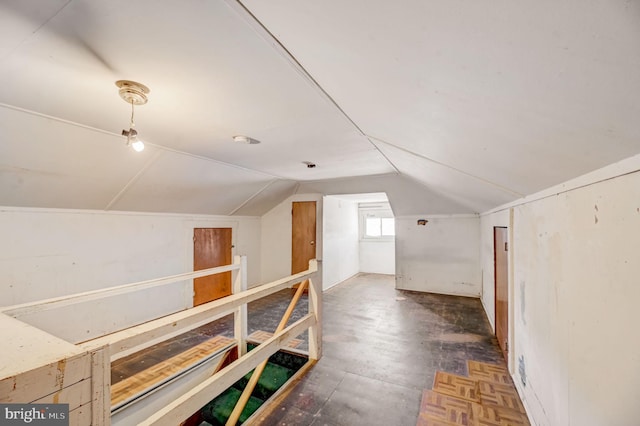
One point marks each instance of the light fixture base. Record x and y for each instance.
(133, 92)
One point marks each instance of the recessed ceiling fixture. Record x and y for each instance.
(135, 94)
(245, 139)
(309, 164)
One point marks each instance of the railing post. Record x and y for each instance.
(315, 308)
(101, 386)
(240, 314)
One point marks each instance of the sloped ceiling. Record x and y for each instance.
(448, 106)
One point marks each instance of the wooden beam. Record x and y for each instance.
(253, 381)
(137, 336)
(200, 395)
(87, 296)
(240, 316)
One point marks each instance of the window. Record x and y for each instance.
(379, 227)
(376, 223)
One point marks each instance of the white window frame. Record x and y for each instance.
(365, 213)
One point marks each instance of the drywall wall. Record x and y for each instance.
(487, 223)
(275, 252)
(576, 262)
(441, 257)
(46, 253)
(378, 257)
(340, 241)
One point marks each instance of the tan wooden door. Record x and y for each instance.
(500, 247)
(211, 248)
(303, 235)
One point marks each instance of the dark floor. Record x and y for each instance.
(381, 349)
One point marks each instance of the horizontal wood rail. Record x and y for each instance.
(192, 401)
(189, 319)
(58, 302)
(98, 353)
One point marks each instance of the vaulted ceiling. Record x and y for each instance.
(447, 106)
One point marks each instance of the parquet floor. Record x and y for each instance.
(260, 336)
(156, 374)
(487, 397)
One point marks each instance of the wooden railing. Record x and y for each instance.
(105, 349)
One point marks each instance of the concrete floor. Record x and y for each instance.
(381, 349)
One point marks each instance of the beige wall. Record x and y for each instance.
(574, 292)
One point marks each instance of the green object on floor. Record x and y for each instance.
(270, 381)
(280, 368)
(218, 411)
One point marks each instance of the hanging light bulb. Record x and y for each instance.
(136, 94)
(138, 146)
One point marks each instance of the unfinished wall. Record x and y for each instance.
(575, 292)
(46, 253)
(441, 257)
(340, 241)
(276, 237)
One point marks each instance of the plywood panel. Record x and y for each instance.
(75, 395)
(46, 380)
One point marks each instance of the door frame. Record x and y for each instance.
(507, 335)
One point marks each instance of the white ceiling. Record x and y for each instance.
(447, 106)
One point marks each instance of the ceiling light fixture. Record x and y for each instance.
(135, 94)
(245, 139)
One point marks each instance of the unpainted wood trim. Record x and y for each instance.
(197, 397)
(139, 335)
(58, 302)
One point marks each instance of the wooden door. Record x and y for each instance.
(303, 235)
(500, 249)
(211, 248)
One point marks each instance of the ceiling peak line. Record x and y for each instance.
(135, 178)
(147, 143)
(260, 191)
(488, 182)
(262, 31)
(454, 199)
(351, 177)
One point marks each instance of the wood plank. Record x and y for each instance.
(188, 403)
(158, 373)
(45, 380)
(81, 416)
(253, 381)
(101, 386)
(315, 308)
(87, 296)
(75, 395)
(25, 348)
(138, 336)
(240, 315)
